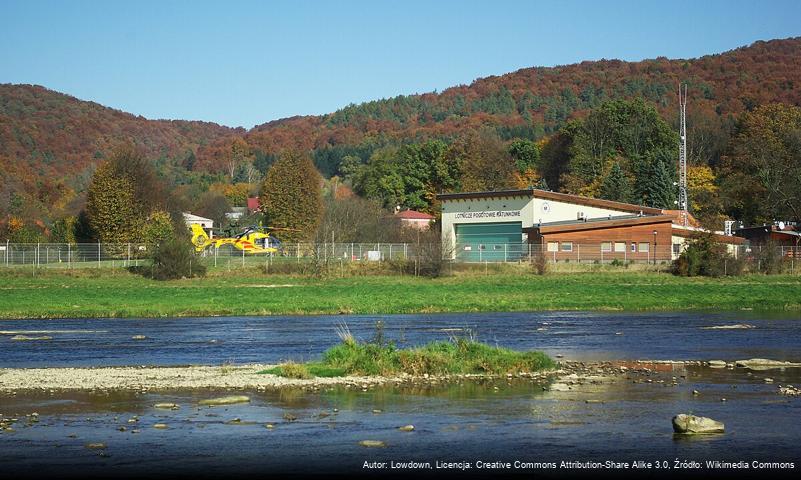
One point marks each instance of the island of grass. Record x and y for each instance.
(455, 356)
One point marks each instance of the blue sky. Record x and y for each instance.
(245, 63)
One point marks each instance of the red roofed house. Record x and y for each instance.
(253, 204)
(412, 218)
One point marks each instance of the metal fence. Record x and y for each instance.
(98, 255)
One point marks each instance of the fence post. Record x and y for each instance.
(98, 254)
(36, 257)
(243, 258)
(215, 256)
(128, 262)
(69, 256)
(578, 253)
(505, 257)
(7, 250)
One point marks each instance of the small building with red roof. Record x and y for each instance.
(415, 219)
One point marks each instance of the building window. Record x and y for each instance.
(553, 246)
(676, 248)
(633, 247)
(620, 247)
(567, 246)
(606, 246)
(644, 247)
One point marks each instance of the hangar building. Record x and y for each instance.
(511, 224)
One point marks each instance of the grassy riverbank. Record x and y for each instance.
(116, 293)
(458, 356)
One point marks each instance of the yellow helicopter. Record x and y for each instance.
(254, 239)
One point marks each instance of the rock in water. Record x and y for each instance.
(717, 364)
(372, 444)
(225, 400)
(690, 424)
(736, 326)
(166, 406)
(407, 428)
(25, 338)
(160, 426)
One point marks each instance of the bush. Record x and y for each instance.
(705, 257)
(768, 259)
(539, 263)
(175, 258)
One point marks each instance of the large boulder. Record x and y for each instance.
(690, 424)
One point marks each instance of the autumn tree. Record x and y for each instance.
(485, 161)
(704, 196)
(213, 205)
(763, 173)
(113, 214)
(123, 192)
(291, 196)
(356, 219)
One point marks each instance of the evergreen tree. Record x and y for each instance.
(292, 197)
(663, 191)
(654, 184)
(616, 186)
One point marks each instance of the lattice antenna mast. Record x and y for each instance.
(683, 204)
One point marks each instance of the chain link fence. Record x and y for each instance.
(99, 255)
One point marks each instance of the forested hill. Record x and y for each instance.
(50, 142)
(534, 102)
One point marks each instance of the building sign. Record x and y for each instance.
(489, 214)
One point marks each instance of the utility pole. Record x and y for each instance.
(683, 204)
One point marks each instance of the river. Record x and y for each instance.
(495, 421)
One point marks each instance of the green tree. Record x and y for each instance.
(526, 155)
(616, 185)
(291, 196)
(631, 129)
(409, 176)
(158, 228)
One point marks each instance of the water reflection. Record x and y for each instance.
(461, 420)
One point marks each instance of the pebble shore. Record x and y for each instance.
(246, 377)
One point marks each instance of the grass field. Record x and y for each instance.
(117, 293)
